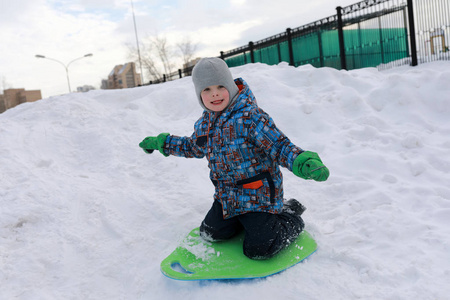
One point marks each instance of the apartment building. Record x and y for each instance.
(13, 97)
(122, 77)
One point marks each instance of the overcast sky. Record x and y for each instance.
(67, 29)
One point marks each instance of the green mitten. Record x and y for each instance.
(308, 165)
(151, 143)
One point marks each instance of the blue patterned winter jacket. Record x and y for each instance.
(244, 149)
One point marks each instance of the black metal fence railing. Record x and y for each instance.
(370, 33)
(180, 73)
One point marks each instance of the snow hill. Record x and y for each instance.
(86, 214)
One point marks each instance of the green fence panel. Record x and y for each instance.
(372, 47)
(395, 44)
(306, 50)
(238, 60)
(257, 55)
(319, 48)
(330, 49)
(234, 61)
(284, 50)
(269, 55)
(367, 47)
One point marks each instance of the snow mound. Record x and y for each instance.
(86, 214)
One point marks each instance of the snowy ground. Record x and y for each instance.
(86, 214)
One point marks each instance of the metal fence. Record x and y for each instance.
(370, 33)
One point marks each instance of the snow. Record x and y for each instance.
(86, 214)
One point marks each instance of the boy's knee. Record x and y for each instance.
(211, 234)
(261, 251)
(268, 245)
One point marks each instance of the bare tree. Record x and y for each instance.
(158, 58)
(147, 59)
(187, 51)
(164, 53)
(155, 56)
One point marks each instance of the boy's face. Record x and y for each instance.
(215, 97)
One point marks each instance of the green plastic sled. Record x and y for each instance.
(197, 259)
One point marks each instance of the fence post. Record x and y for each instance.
(179, 73)
(252, 55)
(381, 40)
(279, 52)
(319, 39)
(291, 50)
(222, 55)
(164, 77)
(412, 33)
(341, 38)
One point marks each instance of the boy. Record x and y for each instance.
(244, 149)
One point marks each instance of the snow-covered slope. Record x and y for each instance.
(86, 214)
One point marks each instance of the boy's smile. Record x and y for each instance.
(215, 97)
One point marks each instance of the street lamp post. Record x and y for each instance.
(137, 43)
(65, 66)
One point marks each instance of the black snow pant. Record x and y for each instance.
(266, 234)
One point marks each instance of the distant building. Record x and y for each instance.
(85, 88)
(122, 77)
(14, 97)
(191, 63)
(187, 68)
(2, 103)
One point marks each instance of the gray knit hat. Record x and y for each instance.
(213, 71)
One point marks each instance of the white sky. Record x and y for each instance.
(67, 29)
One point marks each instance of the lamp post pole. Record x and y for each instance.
(137, 43)
(66, 67)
